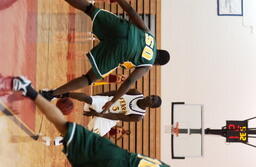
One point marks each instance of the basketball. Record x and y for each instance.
(65, 105)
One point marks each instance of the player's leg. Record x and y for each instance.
(80, 82)
(52, 113)
(105, 24)
(77, 83)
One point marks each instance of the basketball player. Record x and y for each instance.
(130, 107)
(126, 43)
(82, 147)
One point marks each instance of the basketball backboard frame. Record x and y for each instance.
(193, 131)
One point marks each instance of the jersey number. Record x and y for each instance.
(148, 50)
(148, 162)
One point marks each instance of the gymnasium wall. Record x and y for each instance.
(213, 63)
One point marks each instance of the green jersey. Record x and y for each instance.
(84, 148)
(141, 48)
(121, 43)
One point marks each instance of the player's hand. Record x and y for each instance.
(62, 95)
(91, 112)
(107, 106)
(87, 113)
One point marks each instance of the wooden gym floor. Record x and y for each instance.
(46, 40)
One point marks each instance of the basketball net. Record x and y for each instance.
(175, 129)
(172, 129)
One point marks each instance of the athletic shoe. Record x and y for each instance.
(46, 140)
(47, 94)
(58, 140)
(21, 84)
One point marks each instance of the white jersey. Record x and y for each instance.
(100, 125)
(126, 105)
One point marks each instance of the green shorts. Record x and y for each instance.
(112, 32)
(85, 148)
(107, 25)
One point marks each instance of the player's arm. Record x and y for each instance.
(133, 92)
(121, 117)
(112, 93)
(135, 18)
(134, 76)
(79, 96)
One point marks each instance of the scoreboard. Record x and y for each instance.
(237, 131)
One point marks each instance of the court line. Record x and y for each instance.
(8, 112)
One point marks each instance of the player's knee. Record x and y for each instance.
(88, 78)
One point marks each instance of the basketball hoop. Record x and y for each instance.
(175, 130)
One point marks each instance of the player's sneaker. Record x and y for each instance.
(22, 84)
(46, 140)
(47, 94)
(58, 140)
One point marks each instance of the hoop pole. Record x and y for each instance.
(250, 119)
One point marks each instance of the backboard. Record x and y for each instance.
(189, 141)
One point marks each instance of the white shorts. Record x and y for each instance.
(100, 125)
